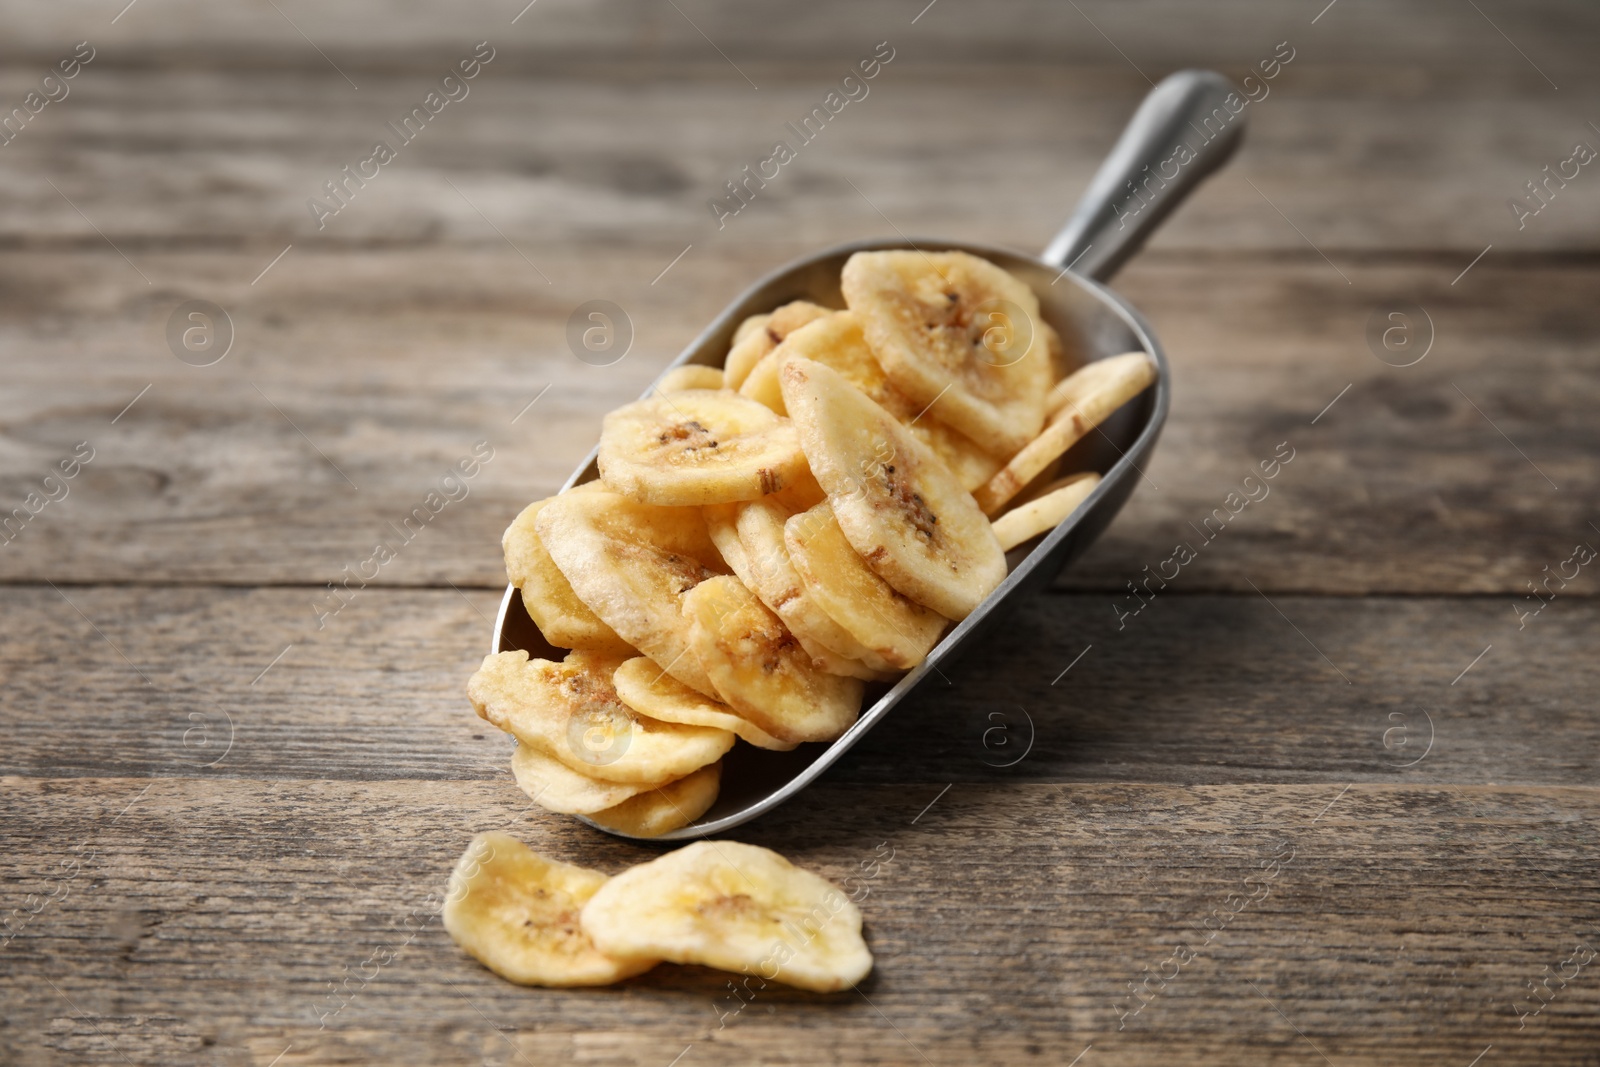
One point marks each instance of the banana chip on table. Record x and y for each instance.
(761, 670)
(956, 330)
(895, 630)
(899, 506)
(517, 913)
(631, 563)
(698, 446)
(736, 907)
(660, 811)
(570, 711)
(561, 616)
(837, 341)
(1081, 401)
(760, 334)
(652, 692)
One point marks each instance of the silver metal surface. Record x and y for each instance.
(1094, 323)
(1182, 132)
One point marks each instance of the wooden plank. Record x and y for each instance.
(207, 921)
(1193, 689)
(1427, 36)
(335, 415)
(154, 159)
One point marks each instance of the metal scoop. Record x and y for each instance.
(1182, 131)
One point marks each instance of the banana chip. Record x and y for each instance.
(801, 616)
(838, 342)
(631, 563)
(689, 376)
(1080, 402)
(721, 522)
(650, 691)
(561, 616)
(517, 913)
(699, 446)
(957, 331)
(750, 326)
(891, 626)
(899, 506)
(770, 574)
(751, 344)
(761, 670)
(570, 711)
(556, 787)
(736, 907)
(659, 811)
(804, 493)
(1044, 512)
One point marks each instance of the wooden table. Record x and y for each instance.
(1328, 797)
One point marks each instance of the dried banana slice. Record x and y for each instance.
(561, 616)
(897, 503)
(749, 347)
(647, 689)
(699, 446)
(953, 328)
(761, 670)
(721, 521)
(1044, 512)
(770, 574)
(631, 563)
(803, 493)
(721, 524)
(838, 342)
(762, 383)
(1061, 362)
(966, 459)
(689, 376)
(517, 913)
(1080, 402)
(659, 811)
(556, 787)
(749, 326)
(1080, 387)
(570, 711)
(737, 907)
(896, 629)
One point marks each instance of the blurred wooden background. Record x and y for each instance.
(216, 811)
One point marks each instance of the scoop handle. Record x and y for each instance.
(1182, 132)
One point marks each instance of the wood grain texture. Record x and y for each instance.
(1195, 689)
(1357, 162)
(359, 379)
(218, 812)
(1007, 921)
(1428, 38)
